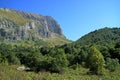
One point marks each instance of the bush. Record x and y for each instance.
(59, 60)
(112, 64)
(95, 61)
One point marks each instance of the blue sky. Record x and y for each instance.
(76, 17)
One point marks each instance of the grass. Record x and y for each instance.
(13, 16)
(57, 40)
(10, 73)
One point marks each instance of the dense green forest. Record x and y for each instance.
(96, 54)
(101, 36)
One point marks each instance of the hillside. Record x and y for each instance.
(66, 62)
(18, 25)
(95, 56)
(101, 36)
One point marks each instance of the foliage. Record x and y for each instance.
(112, 64)
(59, 61)
(95, 61)
(104, 50)
(45, 50)
(59, 58)
(10, 73)
(43, 57)
(102, 36)
(12, 59)
(115, 51)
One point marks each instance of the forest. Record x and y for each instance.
(95, 56)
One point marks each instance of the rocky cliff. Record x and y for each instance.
(16, 25)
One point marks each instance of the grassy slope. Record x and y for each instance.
(57, 40)
(13, 16)
(10, 73)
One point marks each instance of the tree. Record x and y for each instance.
(104, 50)
(12, 59)
(3, 60)
(117, 45)
(33, 61)
(112, 64)
(45, 50)
(59, 60)
(115, 52)
(95, 61)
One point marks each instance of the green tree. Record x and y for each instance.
(112, 64)
(59, 61)
(95, 61)
(115, 53)
(33, 61)
(3, 60)
(45, 50)
(12, 59)
(117, 45)
(104, 50)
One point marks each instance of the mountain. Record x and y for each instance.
(101, 36)
(18, 25)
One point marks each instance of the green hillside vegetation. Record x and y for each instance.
(10, 73)
(13, 16)
(101, 36)
(57, 40)
(74, 61)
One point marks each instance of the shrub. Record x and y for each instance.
(112, 64)
(59, 60)
(95, 61)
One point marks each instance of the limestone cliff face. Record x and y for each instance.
(17, 25)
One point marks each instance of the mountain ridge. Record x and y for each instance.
(100, 36)
(19, 25)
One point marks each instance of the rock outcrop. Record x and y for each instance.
(17, 25)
